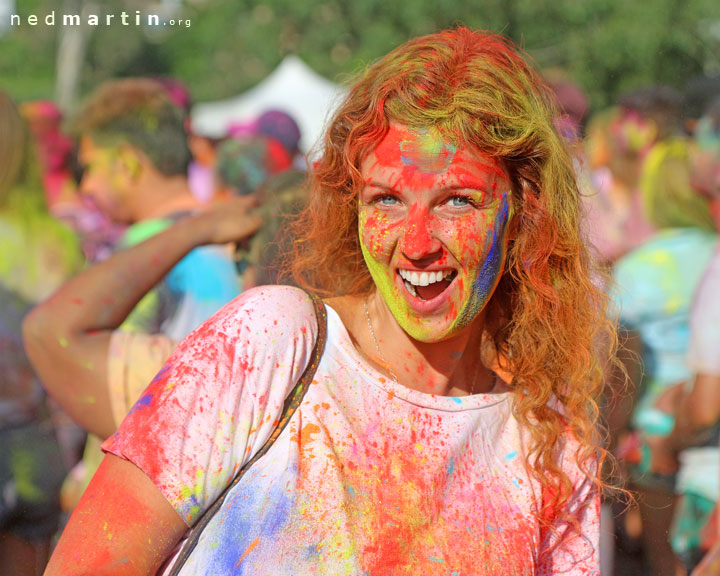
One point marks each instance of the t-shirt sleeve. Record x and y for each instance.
(571, 545)
(133, 361)
(219, 397)
(704, 351)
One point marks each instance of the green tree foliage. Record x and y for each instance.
(607, 46)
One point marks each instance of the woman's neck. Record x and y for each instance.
(450, 367)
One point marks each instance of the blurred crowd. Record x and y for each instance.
(90, 311)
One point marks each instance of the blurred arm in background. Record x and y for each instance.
(68, 336)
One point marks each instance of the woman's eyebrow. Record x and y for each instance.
(378, 185)
(475, 186)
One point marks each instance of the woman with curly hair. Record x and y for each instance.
(450, 424)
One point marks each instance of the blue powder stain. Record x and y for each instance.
(435, 559)
(312, 552)
(488, 274)
(142, 402)
(516, 481)
(450, 467)
(510, 456)
(161, 375)
(351, 490)
(245, 505)
(457, 400)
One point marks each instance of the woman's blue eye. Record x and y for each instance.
(387, 200)
(459, 201)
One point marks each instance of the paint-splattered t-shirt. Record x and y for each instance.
(369, 477)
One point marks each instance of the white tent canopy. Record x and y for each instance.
(292, 87)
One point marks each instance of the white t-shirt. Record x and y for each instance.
(369, 477)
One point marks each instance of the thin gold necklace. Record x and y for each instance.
(385, 363)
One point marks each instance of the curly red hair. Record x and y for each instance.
(548, 317)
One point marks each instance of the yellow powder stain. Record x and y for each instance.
(673, 304)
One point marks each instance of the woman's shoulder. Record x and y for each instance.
(267, 312)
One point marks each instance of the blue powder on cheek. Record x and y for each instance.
(488, 275)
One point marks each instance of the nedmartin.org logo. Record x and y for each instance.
(123, 19)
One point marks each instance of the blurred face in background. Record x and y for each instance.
(107, 180)
(705, 176)
(634, 133)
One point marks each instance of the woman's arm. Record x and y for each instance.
(122, 526)
(67, 336)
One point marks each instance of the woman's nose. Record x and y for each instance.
(418, 240)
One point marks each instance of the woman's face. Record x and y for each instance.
(433, 220)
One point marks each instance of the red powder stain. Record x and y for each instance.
(77, 301)
(388, 151)
(417, 239)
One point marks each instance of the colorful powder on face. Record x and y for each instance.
(427, 152)
(489, 274)
(419, 170)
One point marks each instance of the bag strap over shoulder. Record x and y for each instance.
(292, 402)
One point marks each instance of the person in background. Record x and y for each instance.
(655, 284)
(202, 148)
(282, 127)
(63, 339)
(694, 439)
(259, 165)
(57, 155)
(54, 151)
(134, 154)
(37, 254)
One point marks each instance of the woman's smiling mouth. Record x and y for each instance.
(426, 285)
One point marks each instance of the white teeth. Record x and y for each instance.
(424, 278)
